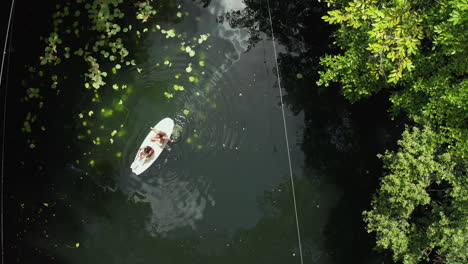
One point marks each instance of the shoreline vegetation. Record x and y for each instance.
(418, 51)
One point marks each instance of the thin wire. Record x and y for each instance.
(4, 116)
(6, 42)
(286, 134)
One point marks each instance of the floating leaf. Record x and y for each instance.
(203, 38)
(178, 87)
(77, 245)
(46, 204)
(170, 33)
(299, 76)
(113, 133)
(168, 95)
(186, 112)
(179, 14)
(106, 112)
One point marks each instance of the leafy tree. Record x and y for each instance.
(417, 50)
(421, 205)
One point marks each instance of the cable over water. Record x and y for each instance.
(285, 133)
(4, 114)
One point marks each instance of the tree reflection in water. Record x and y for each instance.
(340, 140)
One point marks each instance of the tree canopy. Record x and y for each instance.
(417, 51)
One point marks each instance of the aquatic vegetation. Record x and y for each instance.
(95, 36)
(145, 10)
(168, 95)
(178, 87)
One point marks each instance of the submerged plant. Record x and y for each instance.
(88, 33)
(95, 35)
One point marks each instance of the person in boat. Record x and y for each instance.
(160, 136)
(146, 152)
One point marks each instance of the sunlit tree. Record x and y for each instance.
(418, 51)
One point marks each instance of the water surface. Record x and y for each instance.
(221, 193)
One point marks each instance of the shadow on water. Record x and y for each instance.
(26, 180)
(340, 140)
(118, 218)
(49, 201)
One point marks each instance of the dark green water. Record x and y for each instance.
(221, 193)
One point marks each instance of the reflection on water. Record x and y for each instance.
(179, 198)
(175, 201)
(226, 176)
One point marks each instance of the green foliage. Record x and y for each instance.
(145, 10)
(95, 74)
(101, 28)
(392, 33)
(418, 51)
(421, 206)
(91, 32)
(50, 51)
